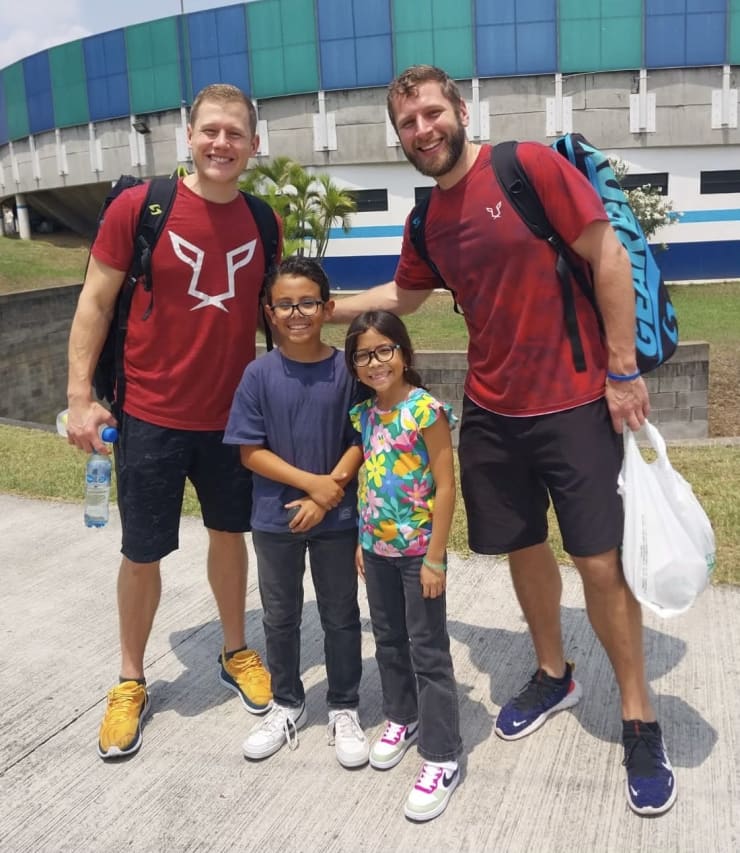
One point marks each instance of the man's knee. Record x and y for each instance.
(600, 570)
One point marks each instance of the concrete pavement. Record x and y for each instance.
(190, 789)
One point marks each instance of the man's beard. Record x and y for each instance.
(455, 145)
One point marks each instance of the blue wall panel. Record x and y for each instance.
(515, 37)
(107, 79)
(685, 33)
(218, 48)
(336, 19)
(355, 46)
(4, 136)
(372, 17)
(37, 77)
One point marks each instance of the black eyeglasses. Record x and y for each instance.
(363, 357)
(306, 307)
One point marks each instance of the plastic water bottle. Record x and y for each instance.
(97, 485)
(97, 476)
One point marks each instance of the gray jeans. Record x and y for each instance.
(412, 648)
(281, 563)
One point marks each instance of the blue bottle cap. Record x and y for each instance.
(109, 434)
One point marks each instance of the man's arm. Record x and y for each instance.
(383, 297)
(90, 325)
(612, 272)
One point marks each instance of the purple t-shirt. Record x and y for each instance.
(299, 411)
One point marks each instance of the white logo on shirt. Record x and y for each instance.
(193, 257)
(495, 214)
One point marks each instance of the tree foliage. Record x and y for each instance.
(309, 204)
(653, 210)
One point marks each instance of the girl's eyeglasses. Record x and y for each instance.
(363, 357)
(306, 307)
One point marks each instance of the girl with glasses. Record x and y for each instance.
(406, 499)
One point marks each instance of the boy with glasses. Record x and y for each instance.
(290, 419)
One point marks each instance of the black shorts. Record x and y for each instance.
(511, 467)
(152, 464)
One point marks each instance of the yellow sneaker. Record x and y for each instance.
(120, 731)
(245, 674)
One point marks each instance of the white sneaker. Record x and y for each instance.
(391, 746)
(432, 790)
(345, 732)
(279, 726)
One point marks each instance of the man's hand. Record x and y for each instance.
(628, 403)
(84, 421)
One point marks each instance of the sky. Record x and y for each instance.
(27, 26)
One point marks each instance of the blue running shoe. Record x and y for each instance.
(651, 785)
(541, 696)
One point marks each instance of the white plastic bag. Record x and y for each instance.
(668, 551)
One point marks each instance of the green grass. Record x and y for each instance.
(41, 262)
(708, 312)
(40, 464)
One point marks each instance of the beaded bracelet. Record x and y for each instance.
(440, 567)
(623, 377)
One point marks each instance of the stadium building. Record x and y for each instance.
(651, 81)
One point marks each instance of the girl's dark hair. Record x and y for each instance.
(389, 325)
(297, 265)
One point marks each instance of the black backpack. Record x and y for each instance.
(656, 327)
(109, 379)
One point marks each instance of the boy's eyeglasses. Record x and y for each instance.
(306, 307)
(363, 357)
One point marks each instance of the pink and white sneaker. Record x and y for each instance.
(432, 790)
(391, 746)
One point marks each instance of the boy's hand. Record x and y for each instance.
(433, 582)
(360, 563)
(308, 515)
(326, 491)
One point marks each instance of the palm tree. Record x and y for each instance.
(308, 204)
(335, 204)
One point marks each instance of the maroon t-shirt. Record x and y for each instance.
(519, 355)
(185, 361)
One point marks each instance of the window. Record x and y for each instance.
(370, 200)
(726, 181)
(420, 193)
(657, 180)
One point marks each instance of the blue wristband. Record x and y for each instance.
(623, 377)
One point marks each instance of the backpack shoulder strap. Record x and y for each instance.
(264, 219)
(521, 194)
(160, 196)
(524, 199)
(417, 225)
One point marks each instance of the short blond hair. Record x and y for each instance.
(223, 93)
(407, 85)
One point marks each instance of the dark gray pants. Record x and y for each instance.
(412, 648)
(281, 562)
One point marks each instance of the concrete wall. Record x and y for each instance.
(33, 368)
(678, 389)
(34, 327)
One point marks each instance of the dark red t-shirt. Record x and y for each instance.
(519, 355)
(185, 361)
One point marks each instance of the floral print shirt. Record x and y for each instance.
(396, 488)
